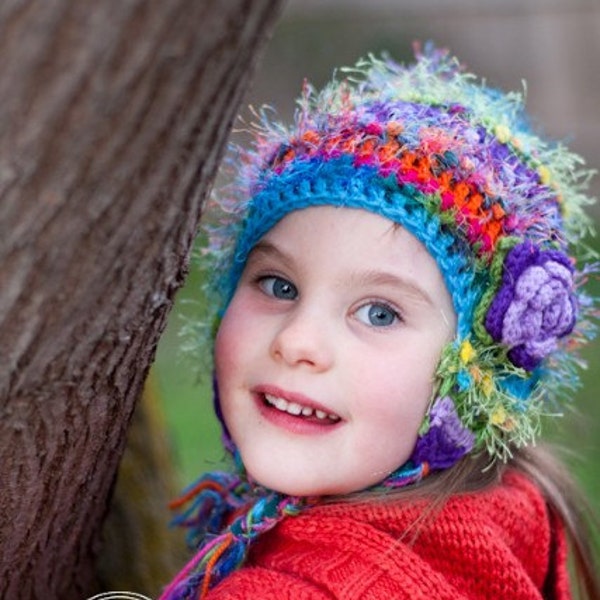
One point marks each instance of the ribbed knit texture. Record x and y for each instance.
(500, 543)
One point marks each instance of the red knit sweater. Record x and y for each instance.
(501, 543)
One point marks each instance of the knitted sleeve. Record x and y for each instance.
(492, 545)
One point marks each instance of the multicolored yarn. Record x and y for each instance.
(500, 210)
(224, 514)
(455, 163)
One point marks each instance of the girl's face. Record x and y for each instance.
(326, 354)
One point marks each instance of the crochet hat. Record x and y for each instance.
(500, 210)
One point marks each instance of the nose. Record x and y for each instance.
(303, 339)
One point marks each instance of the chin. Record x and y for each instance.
(300, 487)
(289, 486)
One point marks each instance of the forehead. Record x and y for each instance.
(362, 229)
(351, 243)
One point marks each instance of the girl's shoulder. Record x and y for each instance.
(514, 502)
(406, 549)
(497, 543)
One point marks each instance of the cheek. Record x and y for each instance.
(401, 399)
(409, 379)
(394, 394)
(224, 365)
(225, 352)
(237, 351)
(228, 354)
(232, 336)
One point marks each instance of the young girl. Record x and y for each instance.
(399, 306)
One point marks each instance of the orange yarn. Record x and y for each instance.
(203, 485)
(426, 168)
(211, 563)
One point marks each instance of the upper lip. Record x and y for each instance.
(297, 398)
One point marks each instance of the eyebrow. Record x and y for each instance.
(371, 277)
(385, 278)
(266, 248)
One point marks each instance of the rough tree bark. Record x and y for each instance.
(113, 116)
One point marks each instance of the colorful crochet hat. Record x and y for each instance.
(455, 163)
(501, 211)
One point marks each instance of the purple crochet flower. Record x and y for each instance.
(535, 305)
(447, 440)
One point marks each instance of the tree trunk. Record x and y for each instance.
(113, 116)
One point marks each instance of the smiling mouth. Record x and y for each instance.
(297, 410)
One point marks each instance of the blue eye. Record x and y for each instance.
(377, 315)
(278, 288)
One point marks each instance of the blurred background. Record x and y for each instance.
(554, 45)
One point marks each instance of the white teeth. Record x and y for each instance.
(296, 409)
(279, 403)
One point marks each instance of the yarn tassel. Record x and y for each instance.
(216, 559)
(224, 516)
